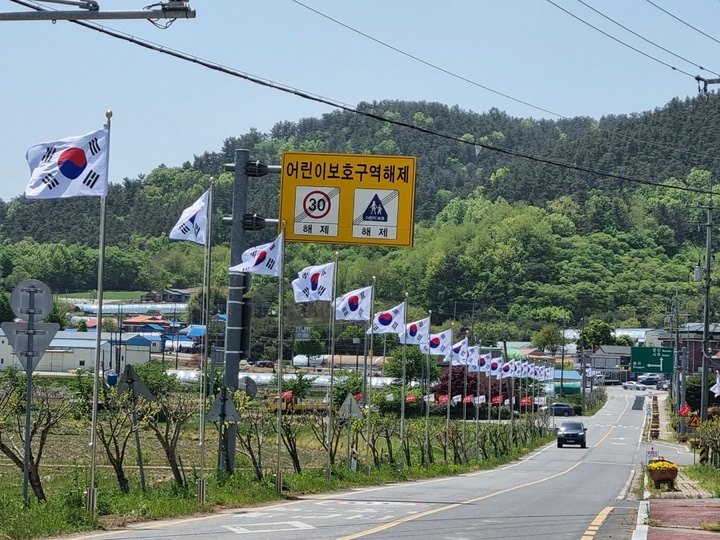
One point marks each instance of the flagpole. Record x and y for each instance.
(427, 390)
(488, 374)
(477, 398)
(463, 401)
(404, 369)
(203, 359)
(328, 471)
(91, 495)
(447, 418)
(368, 374)
(278, 475)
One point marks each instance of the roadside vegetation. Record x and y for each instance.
(168, 429)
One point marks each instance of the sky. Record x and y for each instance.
(529, 58)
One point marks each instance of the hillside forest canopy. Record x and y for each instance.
(506, 242)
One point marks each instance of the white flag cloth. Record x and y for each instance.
(508, 369)
(484, 362)
(438, 344)
(192, 224)
(472, 359)
(263, 259)
(496, 367)
(390, 397)
(457, 399)
(429, 398)
(354, 306)
(314, 283)
(460, 353)
(478, 400)
(715, 389)
(389, 322)
(417, 332)
(72, 167)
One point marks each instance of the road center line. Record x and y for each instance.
(451, 506)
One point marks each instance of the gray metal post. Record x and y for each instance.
(238, 286)
(707, 352)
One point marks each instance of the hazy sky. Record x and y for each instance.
(58, 79)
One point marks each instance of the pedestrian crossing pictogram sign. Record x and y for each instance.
(348, 198)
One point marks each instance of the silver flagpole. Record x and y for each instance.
(488, 374)
(368, 374)
(328, 471)
(464, 405)
(91, 495)
(427, 390)
(203, 360)
(278, 477)
(477, 400)
(449, 400)
(402, 391)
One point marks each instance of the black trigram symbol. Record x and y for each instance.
(94, 146)
(91, 179)
(49, 153)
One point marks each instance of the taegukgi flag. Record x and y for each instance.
(264, 259)
(314, 283)
(192, 224)
(71, 167)
(390, 321)
(438, 344)
(460, 353)
(417, 332)
(473, 358)
(354, 306)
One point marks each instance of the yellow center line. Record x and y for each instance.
(451, 506)
(596, 523)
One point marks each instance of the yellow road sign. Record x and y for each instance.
(348, 198)
(694, 422)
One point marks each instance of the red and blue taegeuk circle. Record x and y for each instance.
(412, 330)
(72, 162)
(260, 258)
(314, 281)
(434, 342)
(385, 319)
(353, 303)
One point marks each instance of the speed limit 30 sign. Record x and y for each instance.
(348, 198)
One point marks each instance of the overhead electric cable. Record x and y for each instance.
(460, 77)
(647, 40)
(683, 22)
(651, 57)
(319, 99)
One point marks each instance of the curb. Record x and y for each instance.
(641, 528)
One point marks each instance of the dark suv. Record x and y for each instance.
(572, 433)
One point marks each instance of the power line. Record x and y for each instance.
(474, 83)
(647, 40)
(683, 22)
(326, 101)
(621, 42)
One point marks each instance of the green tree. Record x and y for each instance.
(415, 365)
(597, 333)
(58, 314)
(299, 385)
(6, 312)
(548, 338)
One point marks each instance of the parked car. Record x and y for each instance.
(633, 385)
(572, 433)
(558, 409)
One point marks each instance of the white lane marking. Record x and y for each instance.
(281, 526)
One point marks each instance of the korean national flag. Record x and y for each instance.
(417, 332)
(473, 358)
(354, 306)
(389, 322)
(438, 344)
(192, 224)
(264, 259)
(460, 353)
(72, 167)
(314, 283)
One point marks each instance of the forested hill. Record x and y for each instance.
(655, 146)
(513, 235)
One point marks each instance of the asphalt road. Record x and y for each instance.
(555, 493)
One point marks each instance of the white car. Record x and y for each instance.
(632, 385)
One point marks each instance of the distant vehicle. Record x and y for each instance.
(663, 385)
(611, 382)
(648, 380)
(632, 385)
(572, 433)
(558, 409)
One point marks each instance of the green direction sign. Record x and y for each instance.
(652, 359)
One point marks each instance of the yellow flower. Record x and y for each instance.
(661, 465)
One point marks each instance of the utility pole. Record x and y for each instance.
(707, 350)
(90, 10)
